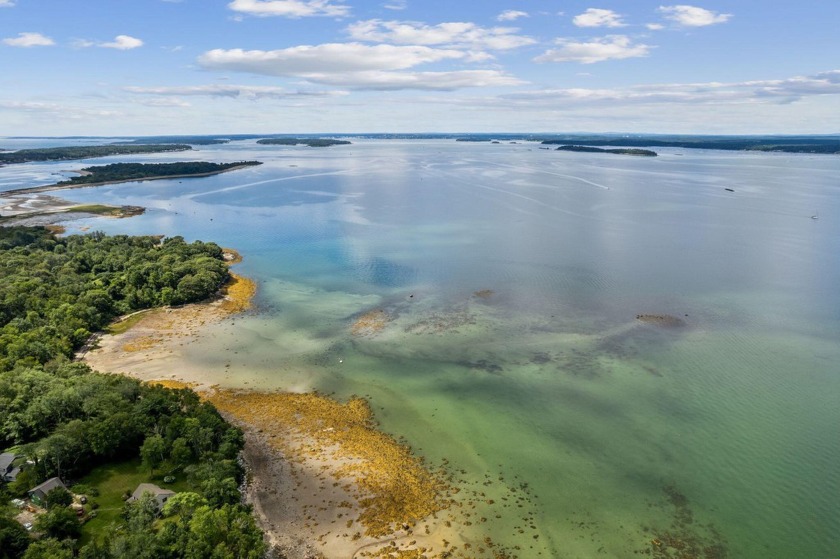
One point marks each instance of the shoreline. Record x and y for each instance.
(43, 209)
(58, 186)
(323, 477)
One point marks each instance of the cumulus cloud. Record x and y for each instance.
(511, 15)
(26, 40)
(122, 42)
(692, 16)
(357, 66)
(611, 47)
(454, 34)
(655, 26)
(252, 92)
(6, 3)
(325, 58)
(597, 17)
(290, 8)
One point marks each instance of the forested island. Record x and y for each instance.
(121, 172)
(127, 172)
(311, 142)
(619, 151)
(75, 442)
(84, 152)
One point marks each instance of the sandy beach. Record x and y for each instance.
(43, 209)
(324, 481)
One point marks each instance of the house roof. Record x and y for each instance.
(150, 488)
(47, 486)
(6, 460)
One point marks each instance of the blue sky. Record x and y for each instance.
(119, 67)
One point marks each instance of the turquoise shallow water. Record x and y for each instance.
(618, 428)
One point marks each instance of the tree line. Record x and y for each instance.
(55, 292)
(139, 171)
(311, 142)
(67, 420)
(84, 152)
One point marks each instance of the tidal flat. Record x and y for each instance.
(593, 432)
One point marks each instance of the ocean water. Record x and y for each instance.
(512, 277)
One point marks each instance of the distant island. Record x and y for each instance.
(84, 152)
(193, 140)
(128, 172)
(787, 144)
(311, 142)
(620, 151)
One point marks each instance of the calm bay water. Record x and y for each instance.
(547, 379)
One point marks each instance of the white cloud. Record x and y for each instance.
(454, 34)
(166, 101)
(122, 42)
(357, 66)
(56, 110)
(655, 26)
(611, 47)
(597, 17)
(396, 5)
(438, 81)
(29, 40)
(777, 92)
(326, 58)
(692, 16)
(6, 3)
(511, 15)
(83, 43)
(252, 92)
(289, 8)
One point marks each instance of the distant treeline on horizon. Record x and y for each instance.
(819, 144)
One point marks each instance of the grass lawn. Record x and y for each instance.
(125, 325)
(112, 481)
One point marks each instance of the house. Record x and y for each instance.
(38, 494)
(160, 495)
(8, 472)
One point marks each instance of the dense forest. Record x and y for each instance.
(61, 419)
(619, 151)
(311, 142)
(55, 291)
(84, 152)
(139, 171)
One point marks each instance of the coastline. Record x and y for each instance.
(324, 480)
(57, 186)
(43, 209)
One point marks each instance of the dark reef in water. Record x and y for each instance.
(684, 538)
